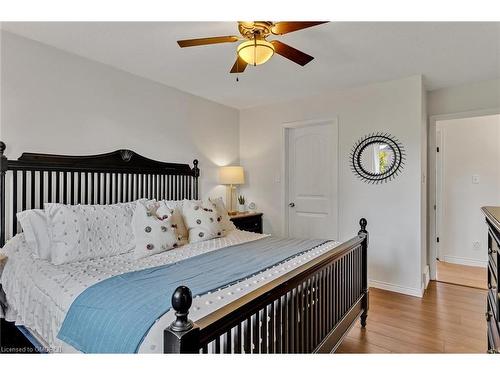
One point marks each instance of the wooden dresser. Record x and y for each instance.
(493, 300)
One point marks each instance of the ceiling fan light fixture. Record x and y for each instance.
(256, 51)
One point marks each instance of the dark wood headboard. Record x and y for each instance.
(119, 176)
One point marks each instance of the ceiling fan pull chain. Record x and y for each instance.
(255, 51)
(237, 67)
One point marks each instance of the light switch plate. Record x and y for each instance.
(475, 179)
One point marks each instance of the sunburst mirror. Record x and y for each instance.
(377, 158)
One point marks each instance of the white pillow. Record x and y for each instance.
(176, 204)
(36, 232)
(202, 220)
(227, 224)
(89, 231)
(153, 233)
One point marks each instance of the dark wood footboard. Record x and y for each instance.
(307, 310)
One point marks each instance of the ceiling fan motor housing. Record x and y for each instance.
(255, 29)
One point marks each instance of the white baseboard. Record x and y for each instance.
(465, 261)
(396, 288)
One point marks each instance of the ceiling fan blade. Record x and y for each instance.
(291, 53)
(204, 41)
(239, 66)
(281, 28)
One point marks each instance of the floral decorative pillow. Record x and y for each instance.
(227, 224)
(79, 232)
(202, 220)
(154, 231)
(175, 210)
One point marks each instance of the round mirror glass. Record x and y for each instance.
(377, 158)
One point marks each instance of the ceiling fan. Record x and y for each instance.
(255, 49)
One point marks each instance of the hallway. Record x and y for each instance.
(475, 277)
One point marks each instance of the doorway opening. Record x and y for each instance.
(467, 178)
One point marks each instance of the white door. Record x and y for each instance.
(312, 168)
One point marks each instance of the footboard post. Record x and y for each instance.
(182, 336)
(364, 286)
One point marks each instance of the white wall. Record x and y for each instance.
(56, 102)
(470, 97)
(1, 90)
(393, 210)
(469, 147)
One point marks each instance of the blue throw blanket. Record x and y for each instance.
(114, 315)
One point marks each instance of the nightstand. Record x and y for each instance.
(249, 221)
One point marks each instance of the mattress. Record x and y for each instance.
(39, 294)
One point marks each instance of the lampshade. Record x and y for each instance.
(255, 52)
(231, 175)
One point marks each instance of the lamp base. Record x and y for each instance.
(230, 199)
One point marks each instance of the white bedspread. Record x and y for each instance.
(39, 294)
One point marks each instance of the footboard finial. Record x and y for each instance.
(182, 336)
(182, 299)
(363, 223)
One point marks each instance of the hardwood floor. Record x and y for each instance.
(448, 319)
(475, 277)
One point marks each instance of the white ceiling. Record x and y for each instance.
(346, 54)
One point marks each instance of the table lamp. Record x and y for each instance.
(230, 176)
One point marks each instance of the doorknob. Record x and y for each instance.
(291, 204)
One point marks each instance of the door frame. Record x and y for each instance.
(432, 173)
(285, 131)
(438, 191)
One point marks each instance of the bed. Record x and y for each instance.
(302, 304)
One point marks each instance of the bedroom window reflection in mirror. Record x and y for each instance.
(377, 158)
